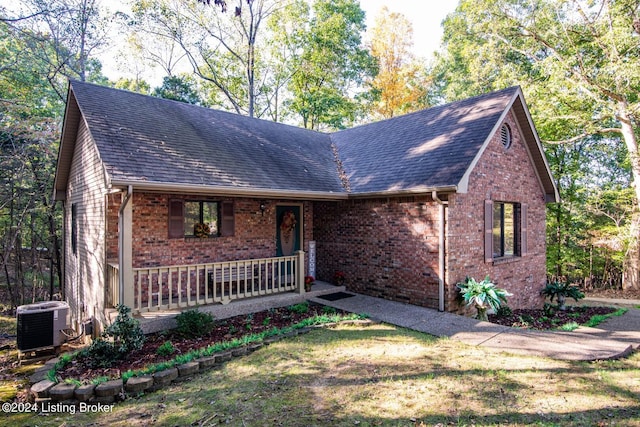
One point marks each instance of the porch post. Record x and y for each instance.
(300, 271)
(125, 251)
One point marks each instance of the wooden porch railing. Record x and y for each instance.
(169, 287)
(113, 285)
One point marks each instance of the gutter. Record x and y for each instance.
(230, 191)
(124, 204)
(441, 248)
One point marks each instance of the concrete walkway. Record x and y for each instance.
(615, 338)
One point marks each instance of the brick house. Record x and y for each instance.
(170, 205)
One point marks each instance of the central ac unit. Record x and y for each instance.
(42, 325)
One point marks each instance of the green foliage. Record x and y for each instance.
(119, 339)
(178, 88)
(568, 327)
(504, 311)
(599, 318)
(483, 295)
(194, 323)
(328, 60)
(556, 51)
(166, 349)
(561, 291)
(301, 308)
(328, 310)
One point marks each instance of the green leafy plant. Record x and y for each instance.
(166, 349)
(504, 311)
(328, 310)
(561, 291)
(119, 339)
(301, 308)
(248, 322)
(194, 323)
(483, 295)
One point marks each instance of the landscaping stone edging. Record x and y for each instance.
(117, 390)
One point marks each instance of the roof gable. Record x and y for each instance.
(147, 140)
(155, 143)
(422, 151)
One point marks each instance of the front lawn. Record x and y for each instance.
(380, 375)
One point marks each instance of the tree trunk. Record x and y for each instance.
(631, 265)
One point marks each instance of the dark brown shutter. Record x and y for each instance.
(523, 229)
(176, 219)
(227, 219)
(488, 231)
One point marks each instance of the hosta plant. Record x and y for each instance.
(483, 295)
(561, 291)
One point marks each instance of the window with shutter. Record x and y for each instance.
(201, 218)
(505, 230)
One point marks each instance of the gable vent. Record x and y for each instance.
(505, 135)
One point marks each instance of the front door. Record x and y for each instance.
(288, 226)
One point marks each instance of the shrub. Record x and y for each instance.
(504, 311)
(301, 308)
(119, 339)
(483, 295)
(194, 323)
(561, 291)
(328, 310)
(166, 349)
(125, 331)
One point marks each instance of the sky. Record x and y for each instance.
(426, 17)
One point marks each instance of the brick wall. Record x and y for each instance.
(389, 247)
(386, 247)
(254, 236)
(508, 176)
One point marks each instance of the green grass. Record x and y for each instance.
(568, 327)
(381, 375)
(599, 318)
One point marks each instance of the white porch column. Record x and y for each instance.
(125, 251)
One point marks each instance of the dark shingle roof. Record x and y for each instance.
(423, 150)
(147, 139)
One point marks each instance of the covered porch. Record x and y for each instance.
(167, 288)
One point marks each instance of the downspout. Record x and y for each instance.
(441, 248)
(124, 204)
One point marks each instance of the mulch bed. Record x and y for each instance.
(538, 319)
(224, 330)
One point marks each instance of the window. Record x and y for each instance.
(74, 228)
(200, 213)
(505, 230)
(186, 218)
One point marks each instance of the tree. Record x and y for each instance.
(64, 34)
(223, 50)
(178, 88)
(578, 60)
(29, 116)
(401, 83)
(330, 64)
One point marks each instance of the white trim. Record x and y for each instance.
(229, 191)
(463, 185)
